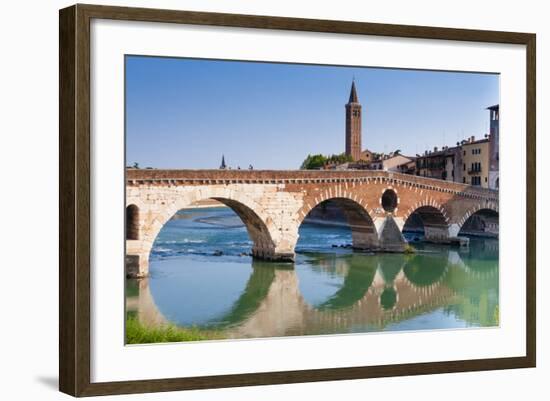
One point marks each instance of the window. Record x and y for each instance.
(464, 180)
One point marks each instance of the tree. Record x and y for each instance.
(313, 162)
(340, 158)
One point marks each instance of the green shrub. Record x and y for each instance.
(137, 333)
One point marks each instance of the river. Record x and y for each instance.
(202, 277)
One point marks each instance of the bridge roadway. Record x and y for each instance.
(272, 204)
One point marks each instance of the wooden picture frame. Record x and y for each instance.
(74, 202)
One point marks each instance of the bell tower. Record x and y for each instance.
(353, 125)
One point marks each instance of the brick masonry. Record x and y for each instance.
(272, 205)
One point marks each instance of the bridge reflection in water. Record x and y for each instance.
(326, 293)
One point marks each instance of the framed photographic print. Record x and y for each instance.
(251, 200)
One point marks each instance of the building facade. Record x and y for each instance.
(475, 162)
(367, 156)
(494, 116)
(443, 164)
(390, 163)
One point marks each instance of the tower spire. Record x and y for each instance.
(353, 93)
(223, 166)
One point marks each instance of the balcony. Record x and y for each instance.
(473, 171)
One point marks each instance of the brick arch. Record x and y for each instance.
(427, 203)
(476, 208)
(256, 222)
(263, 245)
(332, 193)
(363, 230)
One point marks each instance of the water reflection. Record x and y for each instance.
(323, 293)
(358, 272)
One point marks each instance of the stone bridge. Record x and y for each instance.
(273, 204)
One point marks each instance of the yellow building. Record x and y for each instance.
(475, 159)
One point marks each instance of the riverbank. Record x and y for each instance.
(137, 333)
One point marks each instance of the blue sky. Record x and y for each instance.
(186, 113)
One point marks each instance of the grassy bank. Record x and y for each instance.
(136, 333)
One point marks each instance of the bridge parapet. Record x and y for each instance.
(136, 177)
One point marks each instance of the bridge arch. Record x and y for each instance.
(363, 230)
(428, 206)
(481, 219)
(263, 245)
(429, 217)
(332, 193)
(153, 218)
(257, 229)
(132, 222)
(491, 206)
